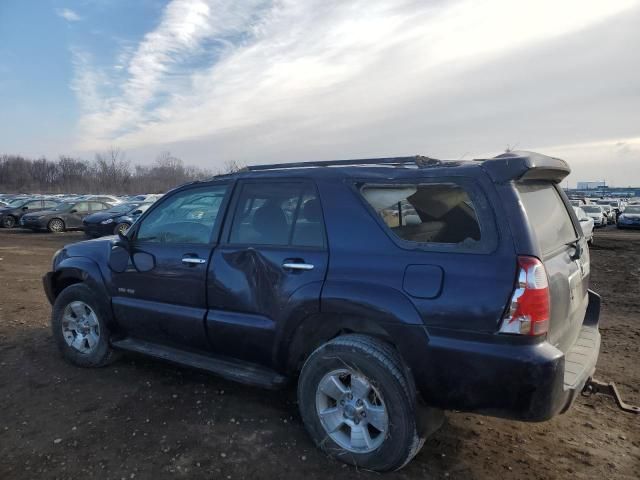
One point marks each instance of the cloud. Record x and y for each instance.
(68, 14)
(285, 79)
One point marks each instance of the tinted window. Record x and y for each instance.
(34, 204)
(186, 217)
(50, 204)
(278, 214)
(548, 215)
(425, 213)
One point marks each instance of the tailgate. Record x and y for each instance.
(563, 250)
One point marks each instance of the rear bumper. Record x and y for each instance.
(530, 382)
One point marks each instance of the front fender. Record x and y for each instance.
(74, 270)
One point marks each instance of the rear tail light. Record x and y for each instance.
(529, 310)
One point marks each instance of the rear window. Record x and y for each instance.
(548, 215)
(425, 213)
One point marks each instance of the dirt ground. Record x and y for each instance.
(144, 419)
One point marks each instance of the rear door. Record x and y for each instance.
(565, 255)
(269, 267)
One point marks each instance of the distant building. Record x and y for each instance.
(591, 185)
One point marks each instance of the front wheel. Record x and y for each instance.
(8, 222)
(80, 327)
(121, 228)
(357, 404)
(55, 226)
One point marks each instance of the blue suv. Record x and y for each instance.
(389, 290)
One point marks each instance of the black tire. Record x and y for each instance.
(380, 364)
(9, 221)
(56, 225)
(124, 226)
(102, 354)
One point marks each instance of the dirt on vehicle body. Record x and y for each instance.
(150, 419)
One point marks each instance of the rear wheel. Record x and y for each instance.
(121, 228)
(8, 221)
(55, 225)
(358, 405)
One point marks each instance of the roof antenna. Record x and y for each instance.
(510, 148)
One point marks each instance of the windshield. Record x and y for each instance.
(122, 208)
(634, 209)
(64, 206)
(18, 202)
(592, 209)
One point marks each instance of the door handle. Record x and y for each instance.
(297, 266)
(193, 261)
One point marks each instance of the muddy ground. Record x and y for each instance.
(143, 419)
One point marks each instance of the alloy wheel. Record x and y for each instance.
(351, 411)
(80, 327)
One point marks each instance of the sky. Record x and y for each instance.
(259, 81)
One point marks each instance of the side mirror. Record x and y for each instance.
(25, 208)
(73, 210)
(136, 212)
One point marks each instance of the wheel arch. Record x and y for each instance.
(77, 270)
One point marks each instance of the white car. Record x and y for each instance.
(608, 211)
(596, 212)
(586, 223)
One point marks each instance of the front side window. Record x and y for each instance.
(425, 213)
(185, 217)
(33, 205)
(278, 213)
(97, 206)
(81, 207)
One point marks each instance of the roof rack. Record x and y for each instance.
(417, 160)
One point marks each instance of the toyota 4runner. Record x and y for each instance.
(388, 289)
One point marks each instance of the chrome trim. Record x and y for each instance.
(193, 261)
(297, 266)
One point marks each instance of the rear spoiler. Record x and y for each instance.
(525, 166)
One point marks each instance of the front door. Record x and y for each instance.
(167, 303)
(74, 218)
(269, 267)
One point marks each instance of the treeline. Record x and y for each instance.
(109, 172)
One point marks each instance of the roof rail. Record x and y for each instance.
(417, 160)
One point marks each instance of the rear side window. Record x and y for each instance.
(548, 215)
(278, 213)
(426, 213)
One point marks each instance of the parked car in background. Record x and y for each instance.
(630, 218)
(586, 223)
(116, 219)
(65, 216)
(608, 211)
(596, 212)
(11, 214)
(302, 273)
(102, 198)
